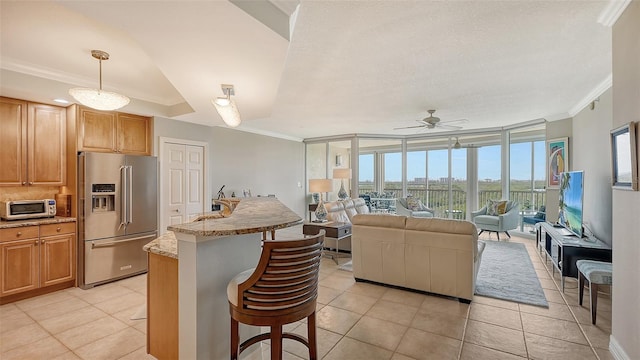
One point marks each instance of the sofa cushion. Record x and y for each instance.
(336, 212)
(349, 208)
(487, 220)
(380, 220)
(449, 226)
(361, 206)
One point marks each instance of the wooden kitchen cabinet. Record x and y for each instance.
(36, 260)
(57, 253)
(105, 131)
(33, 137)
(20, 260)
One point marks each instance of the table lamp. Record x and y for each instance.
(320, 186)
(342, 174)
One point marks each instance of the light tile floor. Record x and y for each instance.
(355, 321)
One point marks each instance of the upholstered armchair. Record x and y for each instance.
(402, 209)
(497, 223)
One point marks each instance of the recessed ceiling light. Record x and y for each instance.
(61, 101)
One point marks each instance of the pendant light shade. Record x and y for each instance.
(97, 98)
(226, 107)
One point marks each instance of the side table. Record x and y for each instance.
(333, 230)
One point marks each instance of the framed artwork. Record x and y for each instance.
(557, 160)
(624, 165)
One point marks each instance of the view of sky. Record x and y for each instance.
(488, 163)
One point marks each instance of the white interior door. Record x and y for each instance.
(182, 181)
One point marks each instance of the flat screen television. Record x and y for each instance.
(571, 199)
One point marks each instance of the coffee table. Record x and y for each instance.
(333, 230)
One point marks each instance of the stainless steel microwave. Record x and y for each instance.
(27, 209)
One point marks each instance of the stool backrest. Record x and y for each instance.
(286, 278)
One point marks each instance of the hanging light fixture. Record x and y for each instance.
(97, 98)
(226, 107)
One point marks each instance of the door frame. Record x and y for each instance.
(161, 163)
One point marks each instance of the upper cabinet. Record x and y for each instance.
(33, 138)
(104, 131)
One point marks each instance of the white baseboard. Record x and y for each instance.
(616, 350)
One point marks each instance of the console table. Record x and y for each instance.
(333, 230)
(566, 250)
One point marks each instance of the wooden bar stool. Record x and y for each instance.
(282, 289)
(596, 273)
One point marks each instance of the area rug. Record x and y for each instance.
(506, 272)
(348, 266)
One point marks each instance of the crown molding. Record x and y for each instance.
(612, 12)
(592, 95)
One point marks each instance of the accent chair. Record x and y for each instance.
(490, 218)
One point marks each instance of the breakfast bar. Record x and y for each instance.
(210, 251)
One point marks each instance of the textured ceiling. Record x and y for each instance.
(350, 67)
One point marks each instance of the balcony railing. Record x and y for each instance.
(438, 200)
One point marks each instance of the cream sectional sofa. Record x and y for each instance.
(440, 256)
(344, 211)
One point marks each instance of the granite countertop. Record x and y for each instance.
(7, 224)
(165, 245)
(251, 215)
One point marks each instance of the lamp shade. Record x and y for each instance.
(342, 173)
(320, 185)
(99, 99)
(229, 113)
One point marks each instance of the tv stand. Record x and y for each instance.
(566, 250)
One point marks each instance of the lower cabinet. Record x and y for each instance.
(35, 258)
(162, 307)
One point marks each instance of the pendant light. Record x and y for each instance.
(97, 98)
(226, 107)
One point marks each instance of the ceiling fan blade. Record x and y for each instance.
(454, 121)
(409, 127)
(449, 127)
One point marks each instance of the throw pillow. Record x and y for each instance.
(496, 207)
(413, 204)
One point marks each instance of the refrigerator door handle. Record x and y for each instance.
(123, 197)
(112, 243)
(130, 194)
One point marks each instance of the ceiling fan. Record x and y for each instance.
(431, 122)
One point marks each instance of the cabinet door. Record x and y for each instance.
(13, 157)
(96, 130)
(134, 134)
(47, 145)
(19, 266)
(57, 259)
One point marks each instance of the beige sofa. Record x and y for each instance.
(344, 211)
(440, 256)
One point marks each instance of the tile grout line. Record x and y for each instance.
(575, 318)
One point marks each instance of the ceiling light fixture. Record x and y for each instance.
(226, 107)
(97, 98)
(457, 144)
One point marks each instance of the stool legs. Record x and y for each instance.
(593, 296)
(235, 339)
(311, 336)
(276, 342)
(593, 292)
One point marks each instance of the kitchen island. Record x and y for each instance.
(210, 252)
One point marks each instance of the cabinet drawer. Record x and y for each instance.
(19, 233)
(57, 229)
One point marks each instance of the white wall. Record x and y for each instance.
(591, 153)
(242, 160)
(625, 335)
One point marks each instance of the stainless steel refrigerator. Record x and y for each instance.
(117, 215)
